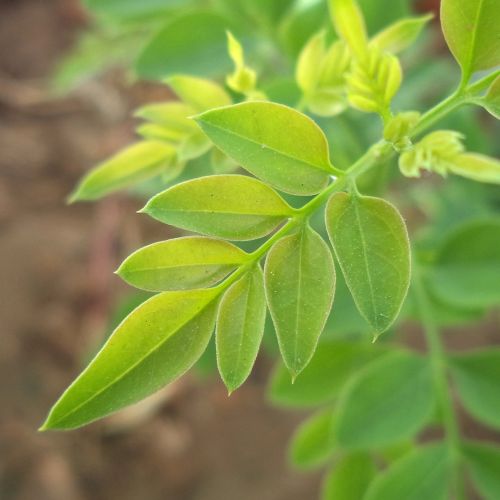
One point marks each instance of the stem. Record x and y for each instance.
(439, 370)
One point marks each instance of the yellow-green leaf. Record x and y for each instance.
(309, 63)
(477, 167)
(491, 100)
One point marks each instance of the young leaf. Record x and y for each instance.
(275, 143)
(240, 327)
(350, 25)
(349, 477)
(181, 264)
(134, 164)
(423, 473)
(477, 376)
(221, 163)
(300, 284)
(199, 93)
(371, 244)
(172, 116)
(154, 345)
(471, 31)
(401, 34)
(313, 444)
(483, 461)
(491, 100)
(475, 166)
(380, 408)
(243, 79)
(309, 63)
(234, 207)
(466, 270)
(322, 380)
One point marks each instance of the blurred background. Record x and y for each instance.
(62, 110)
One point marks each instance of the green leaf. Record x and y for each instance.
(312, 443)
(136, 163)
(401, 34)
(349, 478)
(483, 461)
(421, 474)
(272, 141)
(466, 271)
(475, 166)
(300, 284)
(477, 377)
(154, 345)
(350, 25)
(472, 34)
(234, 207)
(199, 93)
(491, 100)
(308, 68)
(181, 264)
(131, 9)
(371, 244)
(380, 408)
(240, 327)
(192, 43)
(221, 163)
(322, 380)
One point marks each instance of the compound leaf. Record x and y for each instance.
(181, 264)
(371, 244)
(240, 327)
(154, 345)
(234, 207)
(300, 284)
(274, 142)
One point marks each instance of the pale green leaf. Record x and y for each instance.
(349, 477)
(170, 115)
(475, 166)
(472, 31)
(240, 327)
(181, 264)
(234, 207)
(401, 34)
(154, 345)
(380, 408)
(477, 377)
(371, 244)
(466, 270)
(243, 79)
(199, 93)
(492, 99)
(300, 284)
(483, 461)
(423, 474)
(313, 443)
(221, 163)
(323, 379)
(275, 143)
(309, 63)
(193, 146)
(155, 132)
(136, 163)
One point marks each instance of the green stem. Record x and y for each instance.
(439, 370)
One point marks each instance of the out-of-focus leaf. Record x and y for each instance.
(132, 9)
(475, 166)
(492, 99)
(483, 461)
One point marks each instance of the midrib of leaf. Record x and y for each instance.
(299, 295)
(222, 212)
(265, 146)
(134, 365)
(185, 266)
(472, 48)
(427, 479)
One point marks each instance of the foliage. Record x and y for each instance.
(372, 400)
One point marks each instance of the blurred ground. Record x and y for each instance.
(56, 291)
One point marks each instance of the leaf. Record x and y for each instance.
(308, 68)
(222, 164)
(322, 380)
(350, 25)
(131, 9)
(312, 443)
(234, 207)
(477, 376)
(349, 478)
(475, 166)
(422, 474)
(172, 116)
(181, 264)
(380, 408)
(300, 284)
(466, 270)
(275, 143)
(371, 244)
(483, 461)
(199, 93)
(192, 43)
(471, 31)
(240, 327)
(492, 99)
(154, 345)
(401, 34)
(136, 163)
(243, 79)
